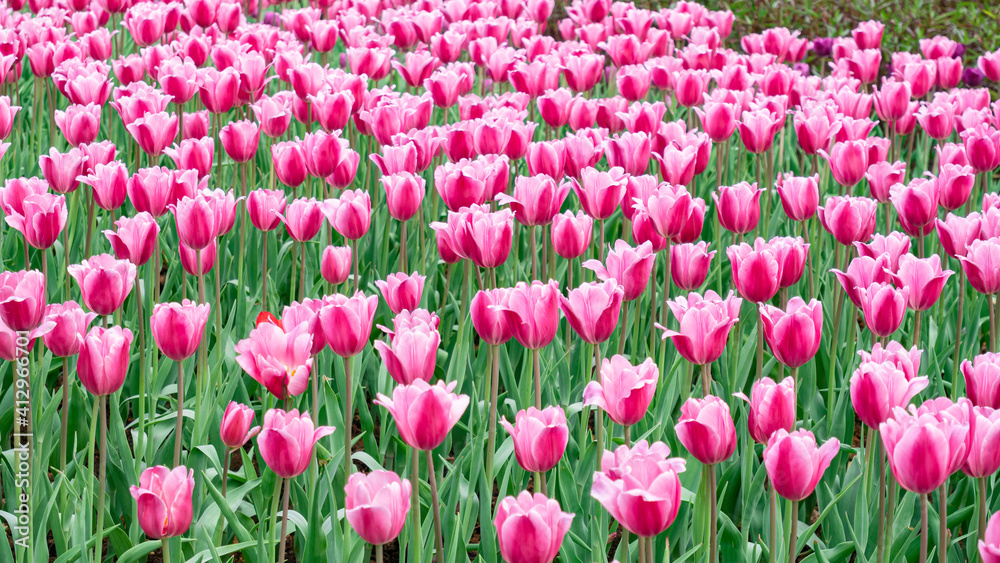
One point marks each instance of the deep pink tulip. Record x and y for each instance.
(689, 265)
(799, 195)
(79, 123)
(982, 380)
(955, 185)
(154, 132)
(848, 161)
(879, 387)
(240, 139)
(772, 408)
(153, 189)
(892, 100)
(287, 439)
(22, 299)
(347, 322)
(273, 114)
(982, 147)
(581, 152)
(424, 414)
(488, 317)
(795, 464)
(738, 207)
(536, 199)
(757, 130)
(815, 130)
(104, 282)
(629, 151)
(884, 307)
(530, 528)
(303, 218)
(937, 119)
(553, 107)
(62, 170)
(488, 237)
(532, 312)
(224, 204)
(704, 325)
(755, 269)
(178, 328)
(640, 487)
(135, 238)
(923, 448)
(69, 328)
(43, 219)
(411, 354)
(235, 427)
(957, 233)
(706, 429)
(793, 335)
(862, 272)
(350, 214)
(163, 501)
(623, 391)
(629, 266)
(548, 158)
(916, 202)
(718, 119)
(402, 292)
(571, 234)
(335, 264)
(104, 357)
(540, 437)
(593, 310)
(376, 505)
(600, 193)
(197, 221)
(193, 154)
(982, 265)
(288, 160)
(923, 278)
(984, 443)
(306, 313)
(882, 176)
(633, 82)
(404, 193)
(264, 207)
(849, 219)
(791, 255)
(278, 360)
(895, 245)
(219, 89)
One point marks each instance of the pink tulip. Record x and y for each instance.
(488, 317)
(153, 132)
(706, 429)
(689, 265)
(288, 160)
(884, 307)
(278, 360)
(916, 202)
(892, 100)
(273, 114)
(104, 282)
(923, 278)
(799, 195)
(955, 185)
(347, 322)
(640, 487)
(923, 448)
(738, 207)
(630, 267)
(540, 437)
(532, 312)
(571, 234)
(593, 310)
(104, 357)
(335, 264)
(982, 380)
(135, 238)
(600, 193)
(849, 219)
(536, 199)
(757, 130)
(894, 246)
(264, 207)
(22, 299)
(178, 328)
(235, 428)
(984, 443)
(350, 214)
(286, 441)
(795, 464)
(404, 193)
(197, 221)
(61, 170)
(882, 176)
(163, 500)
(718, 120)
(193, 154)
(424, 414)
(402, 292)
(848, 162)
(68, 330)
(303, 218)
(411, 354)
(793, 335)
(41, 220)
(937, 119)
(815, 130)
(376, 505)
(772, 408)
(982, 265)
(982, 147)
(879, 387)
(240, 139)
(530, 528)
(704, 325)
(623, 391)
(756, 271)
(79, 123)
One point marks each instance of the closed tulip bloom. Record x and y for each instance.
(540, 437)
(424, 414)
(630, 151)
(240, 139)
(193, 154)
(404, 194)
(600, 193)
(376, 505)
(593, 310)
(411, 354)
(894, 246)
(706, 429)
(286, 441)
(982, 265)
(154, 132)
(335, 264)
(982, 147)
(178, 328)
(350, 214)
(892, 100)
(79, 123)
(104, 282)
(264, 206)
(489, 237)
(43, 219)
(274, 116)
(163, 501)
(402, 292)
(718, 120)
(884, 307)
(862, 272)
(623, 391)
(289, 162)
(633, 82)
(982, 380)
(916, 202)
(197, 221)
(923, 448)
(937, 119)
(689, 265)
(815, 131)
(394, 160)
(303, 218)
(347, 322)
(548, 158)
(795, 464)
(923, 278)
(793, 335)
(69, 328)
(882, 176)
(704, 325)
(536, 199)
(640, 487)
(488, 317)
(530, 528)
(849, 219)
(799, 195)
(755, 269)
(906, 360)
(984, 443)
(532, 311)
(571, 233)
(109, 182)
(62, 170)
(879, 387)
(955, 185)
(738, 207)
(757, 130)
(278, 360)
(103, 362)
(235, 428)
(22, 299)
(772, 408)
(848, 162)
(791, 255)
(135, 238)
(674, 211)
(629, 266)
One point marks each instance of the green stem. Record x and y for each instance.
(713, 550)
(165, 544)
(284, 521)
(793, 533)
(958, 333)
(415, 507)
(348, 416)
(943, 523)
(494, 384)
(923, 528)
(881, 501)
(537, 370)
(983, 507)
(103, 479)
(436, 506)
(773, 529)
(178, 433)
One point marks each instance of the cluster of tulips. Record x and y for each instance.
(330, 118)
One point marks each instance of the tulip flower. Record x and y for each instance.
(376, 504)
(286, 441)
(704, 326)
(984, 443)
(424, 414)
(69, 328)
(916, 203)
(793, 334)
(982, 380)
(772, 408)
(193, 265)
(347, 322)
(163, 500)
(536, 200)
(79, 123)
(848, 162)
(135, 238)
(540, 437)
(689, 265)
(153, 132)
(849, 219)
(61, 170)
(738, 207)
(22, 299)
(235, 427)
(941, 440)
(640, 487)
(279, 361)
(923, 278)
(197, 220)
(884, 307)
(795, 464)
(104, 358)
(799, 195)
(882, 176)
(571, 233)
(178, 328)
(532, 311)
(104, 282)
(411, 354)
(530, 528)
(630, 267)
(706, 429)
(42, 219)
(288, 160)
(982, 265)
(488, 317)
(335, 264)
(624, 391)
(350, 214)
(755, 269)
(593, 310)
(879, 387)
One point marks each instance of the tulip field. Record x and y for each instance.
(472, 280)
